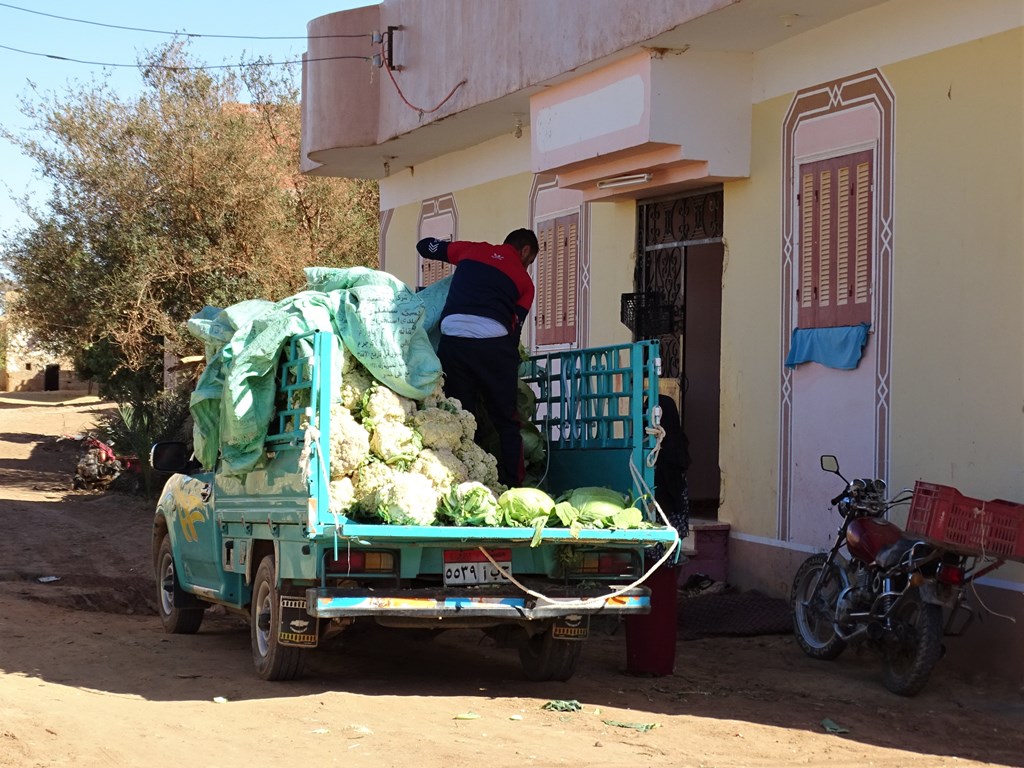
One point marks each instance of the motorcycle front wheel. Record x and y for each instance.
(913, 645)
(813, 599)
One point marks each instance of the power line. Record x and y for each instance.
(174, 34)
(177, 68)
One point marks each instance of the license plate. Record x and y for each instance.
(470, 566)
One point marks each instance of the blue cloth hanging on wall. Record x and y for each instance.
(840, 347)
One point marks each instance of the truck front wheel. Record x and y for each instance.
(273, 661)
(545, 658)
(171, 599)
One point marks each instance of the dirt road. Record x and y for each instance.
(87, 677)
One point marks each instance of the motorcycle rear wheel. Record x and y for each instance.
(814, 612)
(914, 647)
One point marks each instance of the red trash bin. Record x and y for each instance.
(651, 638)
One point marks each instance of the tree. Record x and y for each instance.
(167, 201)
(179, 197)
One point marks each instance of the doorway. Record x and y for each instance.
(680, 263)
(51, 378)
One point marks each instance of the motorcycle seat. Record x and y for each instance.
(892, 554)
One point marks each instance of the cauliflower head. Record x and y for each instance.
(438, 427)
(354, 384)
(384, 404)
(481, 465)
(395, 443)
(342, 495)
(409, 499)
(435, 397)
(350, 442)
(370, 478)
(468, 423)
(442, 467)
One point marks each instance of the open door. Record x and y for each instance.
(680, 258)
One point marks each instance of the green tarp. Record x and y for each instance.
(379, 320)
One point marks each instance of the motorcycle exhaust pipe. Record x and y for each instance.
(850, 637)
(872, 630)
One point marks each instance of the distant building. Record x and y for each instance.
(25, 368)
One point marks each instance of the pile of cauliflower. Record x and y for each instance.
(394, 460)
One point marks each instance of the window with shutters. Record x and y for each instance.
(439, 218)
(557, 270)
(836, 230)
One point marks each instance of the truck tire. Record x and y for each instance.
(175, 606)
(273, 661)
(545, 658)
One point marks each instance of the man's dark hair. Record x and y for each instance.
(517, 238)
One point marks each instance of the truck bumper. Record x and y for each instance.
(436, 604)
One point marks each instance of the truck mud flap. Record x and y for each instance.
(574, 627)
(297, 627)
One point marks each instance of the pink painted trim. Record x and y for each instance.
(867, 90)
(837, 130)
(576, 105)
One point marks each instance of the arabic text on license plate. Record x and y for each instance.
(469, 566)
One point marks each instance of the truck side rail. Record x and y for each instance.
(595, 407)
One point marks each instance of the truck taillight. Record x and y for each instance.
(608, 562)
(360, 562)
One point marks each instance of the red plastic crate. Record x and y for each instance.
(945, 516)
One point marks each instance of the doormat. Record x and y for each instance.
(733, 614)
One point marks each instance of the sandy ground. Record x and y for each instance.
(88, 678)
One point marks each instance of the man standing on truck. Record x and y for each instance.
(489, 298)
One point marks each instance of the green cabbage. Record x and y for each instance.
(523, 506)
(596, 505)
(469, 503)
(527, 507)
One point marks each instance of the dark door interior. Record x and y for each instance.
(51, 378)
(680, 261)
(702, 356)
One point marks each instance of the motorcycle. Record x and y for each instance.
(100, 467)
(889, 592)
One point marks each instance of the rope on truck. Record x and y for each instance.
(597, 602)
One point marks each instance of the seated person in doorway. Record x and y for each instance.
(670, 488)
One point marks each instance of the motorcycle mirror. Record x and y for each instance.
(830, 464)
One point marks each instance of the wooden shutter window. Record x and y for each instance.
(432, 271)
(825, 253)
(836, 230)
(556, 289)
(808, 247)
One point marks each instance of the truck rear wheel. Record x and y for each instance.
(545, 658)
(171, 599)
(273, 661)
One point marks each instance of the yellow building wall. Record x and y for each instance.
(400, 244)
(958, 274)
(958, 277)
(751, 320)
(958, 288)
(612, 262)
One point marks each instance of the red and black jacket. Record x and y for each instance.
(490, 280)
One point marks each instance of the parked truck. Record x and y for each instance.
(267, 543)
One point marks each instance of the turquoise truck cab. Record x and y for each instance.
(267, 543)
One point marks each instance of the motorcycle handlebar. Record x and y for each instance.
(838, 498)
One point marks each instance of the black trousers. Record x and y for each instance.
(483, 374)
